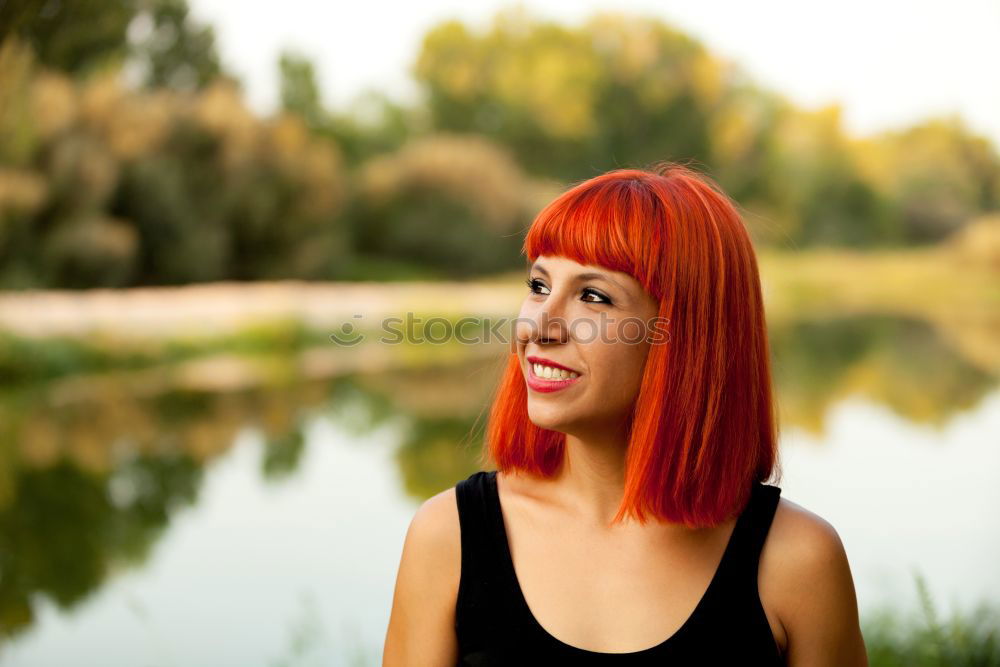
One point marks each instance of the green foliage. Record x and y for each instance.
(939, 174)
(172, 180)
(283, 454)
(299, 91)
(432, 229)
(120, 187)
(176, 198)
(24, 360)
(569, 102)
(373, 124)
(628, 91)
(27, 360)
(456, 203)
(200, 220)
(89, 531)
(85, 36)
(968, 639)
(172, 50)
(76, 37)
(838, 208)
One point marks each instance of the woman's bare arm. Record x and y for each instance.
(818, 605)
(421, 630)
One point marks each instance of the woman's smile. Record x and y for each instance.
(546, 376)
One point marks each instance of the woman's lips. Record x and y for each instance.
(548, 362)
(547, 385)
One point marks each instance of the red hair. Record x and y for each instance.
(704, 426)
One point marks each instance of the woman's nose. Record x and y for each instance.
(550, 323)
(544, 323)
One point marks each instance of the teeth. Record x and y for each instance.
(550, 373)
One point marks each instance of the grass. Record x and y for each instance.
(932, 283)
(923, 639)
(24, 360)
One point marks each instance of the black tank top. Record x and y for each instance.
(495, 626)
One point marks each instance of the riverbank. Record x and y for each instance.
(51, 333)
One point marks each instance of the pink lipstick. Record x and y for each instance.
(543, 384)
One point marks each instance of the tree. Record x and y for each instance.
(172, 50)
(570, 102)
(157, 37)
(73, 36)
(299, 90)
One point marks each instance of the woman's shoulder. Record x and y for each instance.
(423, 607)
(430, 564)
(805, 576)
(434, 530)
(800, 539)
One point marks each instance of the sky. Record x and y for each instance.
(889, 63)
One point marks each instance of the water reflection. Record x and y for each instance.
(95, 471)
(897, 362)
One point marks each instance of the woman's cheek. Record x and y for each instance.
(524, 324)
(609, 333)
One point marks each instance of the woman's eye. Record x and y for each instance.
(534, 285)
(592, 292)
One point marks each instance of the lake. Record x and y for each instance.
(150, 521)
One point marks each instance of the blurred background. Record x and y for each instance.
(194, 194)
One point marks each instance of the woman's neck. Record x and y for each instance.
(591, 480)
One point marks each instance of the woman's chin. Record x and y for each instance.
(548, 418)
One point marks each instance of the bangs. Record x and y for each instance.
(612, 221)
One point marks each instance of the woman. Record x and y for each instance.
(628, 519)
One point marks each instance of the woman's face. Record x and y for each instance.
(593, 321)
